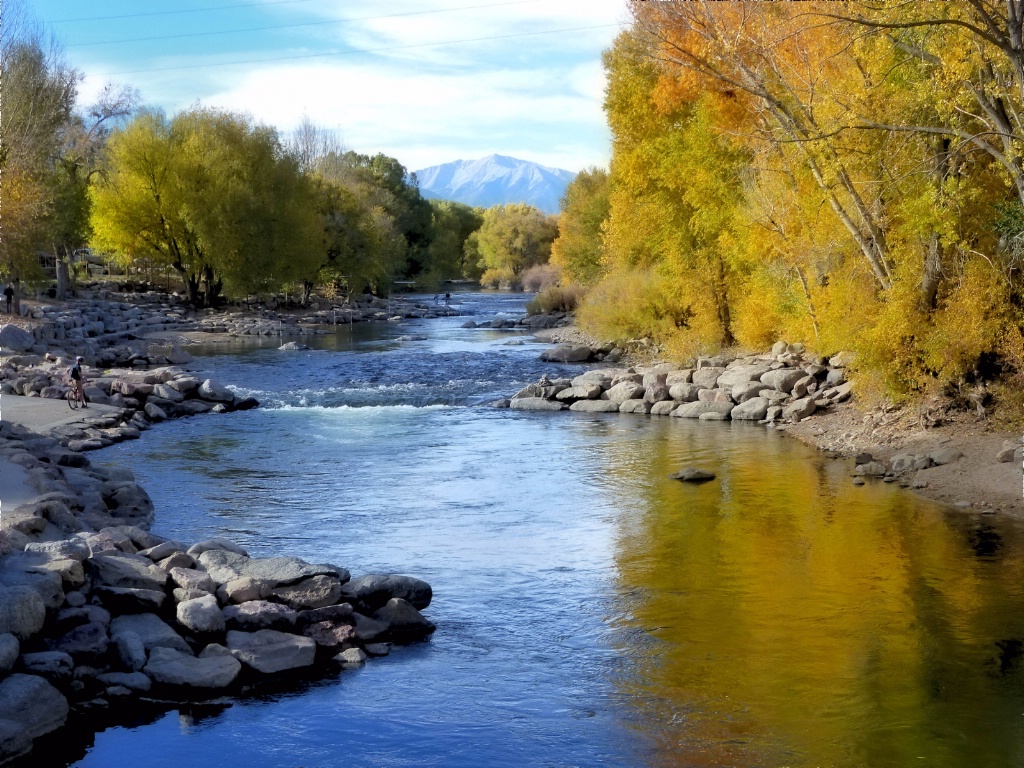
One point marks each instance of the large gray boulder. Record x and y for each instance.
(374, 590)
(33, 703)
(783, 379)
(625, 390)
(270, 651)
(636, 406)
(202, 614)
(746, 391)
(535, 404)
(14, 742)
(697, 409)
(224, 566)
(19, 569)
(210, 670)
(151, 630)
(9, 650)
(595, 406)
(314, 592)
(684, 393)
(214, 392)
(799, 409)
(126, 571)
(55, 666)
(664, 408)
(754, 409)
(15, 339)
(403, 620)
(189, 578)
(567, 353)
(707, 378)
(742, 374)
(259, 614)
(22, 611)
(86, 643)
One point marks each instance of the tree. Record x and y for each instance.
(452, 223)
(579, 248)
(511, 239)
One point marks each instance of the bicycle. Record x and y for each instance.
(76, 396)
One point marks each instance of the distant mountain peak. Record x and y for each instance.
(496, 180)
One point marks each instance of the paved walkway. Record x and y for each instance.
(39, 414)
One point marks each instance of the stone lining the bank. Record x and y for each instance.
(95, 610)
(101, 327)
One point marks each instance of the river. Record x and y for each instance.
(590, 611)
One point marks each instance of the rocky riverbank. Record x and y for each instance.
(99, 615)
(958, 462)
(97, 612)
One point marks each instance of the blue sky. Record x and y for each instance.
(525, 79)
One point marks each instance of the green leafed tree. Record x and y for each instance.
(512, 239)
(579, 248)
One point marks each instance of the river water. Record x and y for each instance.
(590, 611)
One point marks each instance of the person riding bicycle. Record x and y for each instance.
(75, 374)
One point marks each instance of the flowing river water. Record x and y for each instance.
(590, 611)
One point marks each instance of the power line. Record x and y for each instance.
(355, 51)
(293, 26)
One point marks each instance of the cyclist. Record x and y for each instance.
(77, 385)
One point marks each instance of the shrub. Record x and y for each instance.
(555, 298)
(542, 276)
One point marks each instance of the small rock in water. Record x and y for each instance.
(292, 346)
(692, 475)
(859, 481)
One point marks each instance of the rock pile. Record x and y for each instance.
(96, 610)
(785, 385)
(144, 397)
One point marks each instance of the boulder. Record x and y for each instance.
(22, 611)
(404, 622)
(684, 393)
(692, 475)
(64, 549)
(244, 589)
(336, 614)
(184, 595)
(580, 392)
(870, 469)
(625, 390)
(269, 651)
(126, 571)
(567, 353)
(124, 600)
(9, 650)
(714, 396)
(133, 681)
(696, 410)
(188, 578)
(782, 379)
(945, 456)
(657, 393)
(14, 742)
(202, 614)
(208, 671)
(535, 404)
(351, 657)
(130, 650)
(741, 374)
(373, 591)
(154, 412)
(684, 376)
(177, 560)
(151, 630)
(213, 545)
(33, 703)
(214, 392)
(707, 378)
(162, 551)
(754, 409)
(377, 649)
(314, 592)
(327, 634)
(595, 406)
(835, 377)
(636, 406)
(15, 339)
(799, 409)
(746, 391)
(55, 666)
(224, 566)
(367, 629)
(260, 614)
(85, 643)
(19, 570)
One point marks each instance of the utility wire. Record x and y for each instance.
(293, 26)
(355, 51)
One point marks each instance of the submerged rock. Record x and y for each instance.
(692, 475)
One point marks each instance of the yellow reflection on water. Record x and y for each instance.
(790, 618)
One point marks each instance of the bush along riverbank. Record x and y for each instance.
(97, 613)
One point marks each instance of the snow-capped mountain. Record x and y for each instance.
(496, 180)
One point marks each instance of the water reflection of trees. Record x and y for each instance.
(805, 621)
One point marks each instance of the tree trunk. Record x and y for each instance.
(63, 278)
(934, 254)
(191, 284)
